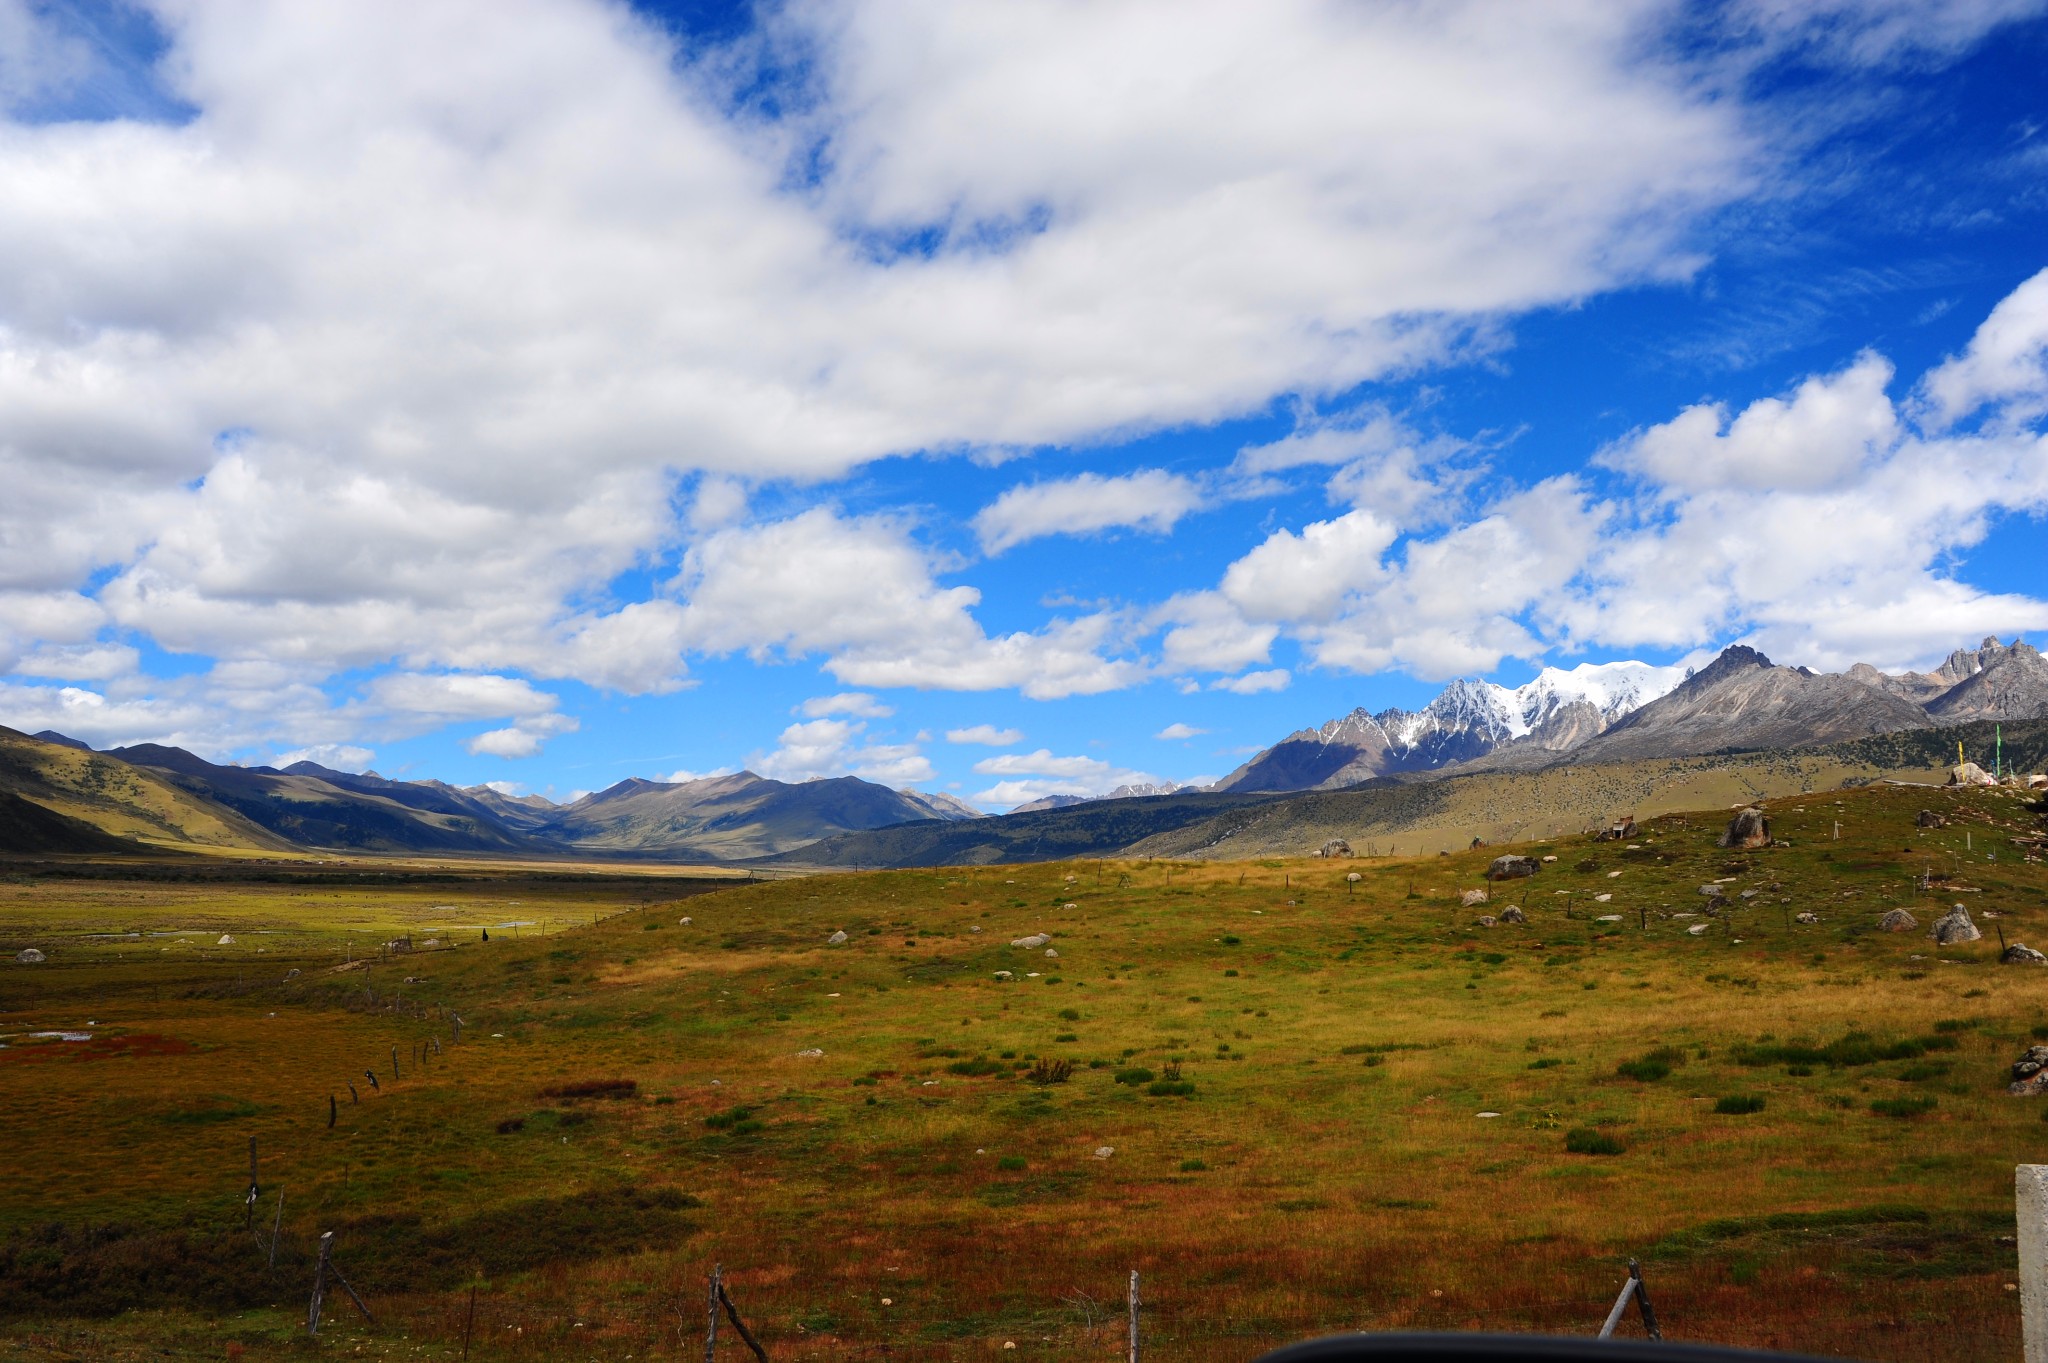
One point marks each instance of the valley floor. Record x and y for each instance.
(1295, 1103)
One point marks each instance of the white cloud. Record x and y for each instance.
(846, 703)
(987, 734)
(1306, 576)
(1877, 32)
(1173, 732)
(79, 662)
(838, 747)
(861, 593)
(1042, 763)
(523, 739)
(1035, 775)
(333, 756)
(1208, 633)
(1252, 683)
(2006, 362)
(1823, 435)
(1150, 499)
(683, 776)
(477, 298)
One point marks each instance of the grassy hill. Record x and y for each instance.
(1380, 1113)
(121, 800)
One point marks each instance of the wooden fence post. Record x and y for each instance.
(1634, 1290)
(2030, 1186)
(319, 1283)
(1134, 1316)
(732, 1313)
(711, 1322)
(249, 1202)
(275, 1226)
(469, 1324)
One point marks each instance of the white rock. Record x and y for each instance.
(837, 938)
(1070, 906)
(1003, 975)
(814, 1053)
(1614, 875)
(29, 956)
(1608, 918)
(225, 941)
(684, 922)
(1487, 1114)
(1104, 1151)
(1033, 942)
(1602, 898)
(1051, 955)
(1697, 928)
(1550, 858)
(975, 928)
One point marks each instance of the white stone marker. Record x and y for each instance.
(2031, 1204)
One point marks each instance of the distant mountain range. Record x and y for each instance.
(1628, 711)
(63, 794)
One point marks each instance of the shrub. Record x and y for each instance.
(1195, 1166)
(1051, 1072)
(1135, 1076)
(1071, 1014)
(1739, 1104)
(1549, 1062)
(593, 1088)
(1013, 1162)
(1067, 1036)
(1584, 1140)
(1856, 1048)
(1375, 1059)
(1902, 1107)
(738, 1120)
(1171, 1088)
(979, 1065)
(1232, 941)
(510, 1125)
(1652, 1067)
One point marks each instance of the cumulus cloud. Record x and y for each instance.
(1252, 683)
(1150, 499)
(523, 739)
(333, 756)
(863, 594)
(846, 703)
(839, 747)
(1174, 732)
(987, 734)
(2006, 362)
(1035, 775)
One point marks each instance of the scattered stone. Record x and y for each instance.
(1104, 1151)
(1713, 891)
(814, 1053)
(1751, 894)
(1697, 928)
(1602, 898)
(2030, 1073)
(292, 974)
(1749, 828)
(29, 956)
(1003, 975)
(1927, 818)
(1608, 918)
(1353, 878)
(1954, 927)
(685, 922)
(975, 928)
(1549, 859)
(1472, 897)
(1970, 774)
(1511, 867)
(838, 938)
(1487, 920)
(1898, 920)
(1808, 917)
(1070, 905)
(1051, 955)
(1486, 1114)
(1513, 914)
(2018, 954)
(226, 940)
(1335, 847)
(1033, 942)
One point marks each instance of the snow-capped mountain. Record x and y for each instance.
(1468, 719)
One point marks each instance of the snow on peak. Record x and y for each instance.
(1614, 689)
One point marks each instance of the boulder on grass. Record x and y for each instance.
(1749, 828)
(29, 956)
(1511, 868)
(2020, 954)
(1513, 914)
(837, 939)
(1953, 928)
(1335, 847)
(1472, 897)
(1927, 818)
(1033, 942)
(1970, 774)
(1487, 920)
(2030, 1073)
(1898, 920)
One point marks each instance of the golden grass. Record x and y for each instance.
(1338, 1189)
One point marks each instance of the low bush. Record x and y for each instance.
(1739, 1104)
(593, 1088)
(979, 1065)
(1135, 1076)
(1584, 1140)
(1902, 1107)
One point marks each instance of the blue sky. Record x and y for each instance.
(632, 392)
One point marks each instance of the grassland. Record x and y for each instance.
(1320, 1163)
